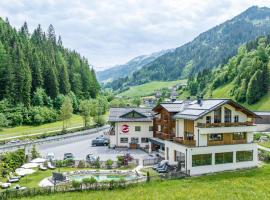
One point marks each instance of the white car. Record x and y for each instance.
(90, 158)
(50, 156)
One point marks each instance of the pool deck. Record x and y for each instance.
(46, 182)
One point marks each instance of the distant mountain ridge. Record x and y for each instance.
(209, 50)
(119, 71)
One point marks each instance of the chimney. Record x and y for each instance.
(199, 100)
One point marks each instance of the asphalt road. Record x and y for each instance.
(81, 146)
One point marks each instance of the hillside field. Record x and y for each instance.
(148, 89)
(262, 105)
(75, 122)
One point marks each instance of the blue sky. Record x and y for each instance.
(110, 32)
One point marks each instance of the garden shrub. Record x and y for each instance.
(109, 163)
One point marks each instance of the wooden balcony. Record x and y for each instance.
(164, 136)
(180, 140)
(161, 121)
(225, 124)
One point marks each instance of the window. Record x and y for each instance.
(217, 116)
(144, 140)
(179, 156)
(242, 156)
(134, 140)
(208, 119)
(123, 140)
(159, 128)
(201, 160)
(227, 115)
(150, 128)
(222, 158)
(189, 136)
(239, 136)
(137, 128)
(236, 118)
(215, 137)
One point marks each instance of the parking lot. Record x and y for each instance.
(81, 146)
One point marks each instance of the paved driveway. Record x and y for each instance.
(81, 146)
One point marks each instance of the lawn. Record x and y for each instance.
(252, 184)
(148, 89)
(264, 144)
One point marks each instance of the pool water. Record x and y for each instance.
(106, 177)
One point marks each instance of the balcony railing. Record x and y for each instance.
(225, 124)
(180, 140)
(161, 121)
(164, 136)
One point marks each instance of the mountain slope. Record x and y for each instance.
(38, 62)
(210, 49)
(127, 69)
(245, 78)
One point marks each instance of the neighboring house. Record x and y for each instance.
(149, 102)
(206, 136)
(263, 123)
(130, 127)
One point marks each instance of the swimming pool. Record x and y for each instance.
(104, 177)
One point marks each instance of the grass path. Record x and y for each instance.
(252, 184)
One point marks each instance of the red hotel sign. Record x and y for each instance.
(125, 128)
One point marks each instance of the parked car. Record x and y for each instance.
(100, 142)
(90, 158)
(68, 156)
(50, 156)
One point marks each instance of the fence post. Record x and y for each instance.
(147, 177)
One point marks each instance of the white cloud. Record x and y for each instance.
(110, 32)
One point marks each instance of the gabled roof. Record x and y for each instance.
(173, 107)
(195, 110)
(120, 115)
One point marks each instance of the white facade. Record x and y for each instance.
(172, 149)
(123, 139)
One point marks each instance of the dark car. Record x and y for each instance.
(68, 156)
(100, 142)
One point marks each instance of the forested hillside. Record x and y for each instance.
(246, 75)
(127, 69)
(36, 72)
(210, 49)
